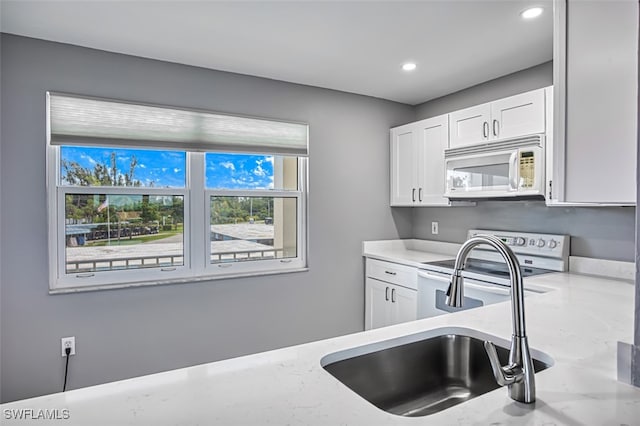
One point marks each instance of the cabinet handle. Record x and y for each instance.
(485, 130)
(390, 273)
(393, 295)
(420, 194)
(496, 128)
(386, 294)
(413, 194)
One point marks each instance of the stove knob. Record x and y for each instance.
(520, 241)
(553, 244)
(541, 242)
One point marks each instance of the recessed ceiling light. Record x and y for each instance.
(532, 12)
(409, 66)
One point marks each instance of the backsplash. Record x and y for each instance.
(600, 232)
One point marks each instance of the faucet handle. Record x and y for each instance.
(504, 375)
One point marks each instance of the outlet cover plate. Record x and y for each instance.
(68, 342)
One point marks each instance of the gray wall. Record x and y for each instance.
(511, 84)
(603, 232)
(131, 332)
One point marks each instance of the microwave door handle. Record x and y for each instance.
(513, 176)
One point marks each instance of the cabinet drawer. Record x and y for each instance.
(393, 273)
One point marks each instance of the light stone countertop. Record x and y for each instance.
(578, 324)
(410, 252)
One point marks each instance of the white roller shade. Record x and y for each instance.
(78, 120)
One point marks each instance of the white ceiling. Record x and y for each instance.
(353, 46)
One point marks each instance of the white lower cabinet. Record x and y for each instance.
(404, 304)
(387, 302)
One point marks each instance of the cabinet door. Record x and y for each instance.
(403, 166)
(377, 304)
(469, 126)
(432, 138)
(404, 304)
(518, 115)
(600, 150)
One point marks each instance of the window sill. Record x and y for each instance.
(188, 280)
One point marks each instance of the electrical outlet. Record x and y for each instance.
(68, 342)
(434, 228)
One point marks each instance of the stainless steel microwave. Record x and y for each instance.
(512, 168)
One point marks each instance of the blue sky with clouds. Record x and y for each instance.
(239, 171)
(166, 169)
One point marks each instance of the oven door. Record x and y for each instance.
(432, 293)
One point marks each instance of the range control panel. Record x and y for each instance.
(546, 245)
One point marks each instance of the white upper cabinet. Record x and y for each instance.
(403, 165)
(417, 163)
(518, 115)
(469, 126)
(433, 139)
(594, 155)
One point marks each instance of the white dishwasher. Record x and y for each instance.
(486, 278)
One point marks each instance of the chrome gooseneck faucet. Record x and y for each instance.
(518, 375)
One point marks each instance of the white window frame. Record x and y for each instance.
(59, 279)
(197, 248)
(79, 120)
(267, 265)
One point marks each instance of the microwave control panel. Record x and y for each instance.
(527, 169)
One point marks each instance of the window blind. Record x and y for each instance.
(80, 120)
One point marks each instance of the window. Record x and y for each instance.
(123, 212)
(254, 202)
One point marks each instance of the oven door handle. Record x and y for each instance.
(468, 283)
(439, 277)
(489, 288)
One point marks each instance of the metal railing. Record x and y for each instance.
(118, 263)
(226, 256)
(138, 262)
